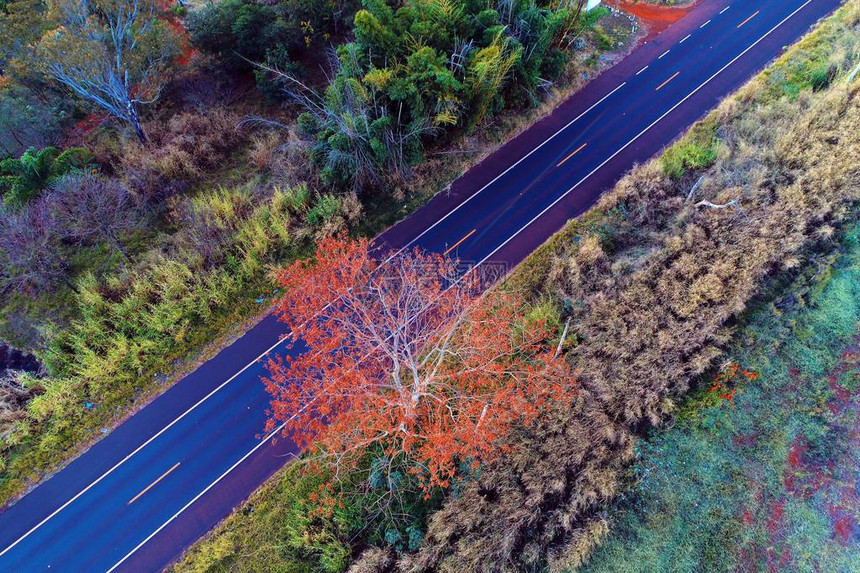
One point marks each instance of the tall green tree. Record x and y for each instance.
(22, 22)
(25, 177)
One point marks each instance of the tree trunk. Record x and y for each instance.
(117, 244)
(138, 131)
(134, 119)
(71, 285)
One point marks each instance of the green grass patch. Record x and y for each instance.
(696, 150)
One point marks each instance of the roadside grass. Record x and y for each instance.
(760, 482)
(697, 150)
(818, 60)
(276, 532)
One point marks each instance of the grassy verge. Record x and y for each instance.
(134, 329)
(766, 480)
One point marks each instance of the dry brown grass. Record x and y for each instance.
(180, 151)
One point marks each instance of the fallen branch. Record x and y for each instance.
(854, 73)
(563, 336)
(455, 152)
(733, 203)
(695, 188)
(708, 204)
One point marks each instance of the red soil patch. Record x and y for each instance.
(745, 440)
(844, 524)
(775, 518)
(76, 136)
(826, 481)
(654, 18)
(795, 454)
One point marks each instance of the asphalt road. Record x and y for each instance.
(140, 496)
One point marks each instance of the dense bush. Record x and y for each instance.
(235, 30)
(297, 528)
(32, 261)
(242, 32)
(16, 390)
(180, 152)
(424, 67)
(24, 178)
(90, 209)
(29, 121)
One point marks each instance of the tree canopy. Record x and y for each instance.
(427, 66)
(405, 358)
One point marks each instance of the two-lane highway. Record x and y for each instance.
(137, 498)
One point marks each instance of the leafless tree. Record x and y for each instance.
(112, 54)
(30, 257)
(91, 208)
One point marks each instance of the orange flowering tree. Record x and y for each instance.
(407, 359)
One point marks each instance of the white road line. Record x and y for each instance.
(198, 496)
(642, 70)
(664, 53)
(626, 145)
(140, 447)
(503, 173)
(705, 24)
(687, 37)
(724, 9)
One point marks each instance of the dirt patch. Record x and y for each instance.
(655, 19)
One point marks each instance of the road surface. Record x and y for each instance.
(139, 497)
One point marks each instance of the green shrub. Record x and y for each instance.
(821, 77)
(24, 178)
(696, 150)
(325, 208)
